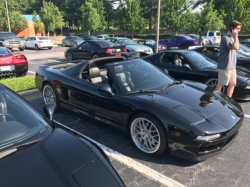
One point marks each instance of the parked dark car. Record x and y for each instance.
(214, 51)
(191, 65)
(159, 112)
(131, 46)
(38, 151)
(94, 49)
(152, 44)
(72, 41)
(245, 42)
(182, 42)
(88, 37)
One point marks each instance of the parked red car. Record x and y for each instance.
(12, 64)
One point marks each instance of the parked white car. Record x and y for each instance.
(38, 42)
(102, 37)
(213, 36)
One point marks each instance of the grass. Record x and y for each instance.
(18, 84)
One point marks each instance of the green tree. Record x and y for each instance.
(17, 21)
(90, 17)
(130, 17)
(98, 5)
(173, 14)
(208, 20)
(51, 16)
(149, 11)
(39, 27)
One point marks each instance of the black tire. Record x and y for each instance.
(212, 82)
(21, 49)
(210, 42)
(70, 56)
(49, 48)
(1, 45)
(183, 46)
(158, 135)
(50, 95)
(94, 56)
(36, 47)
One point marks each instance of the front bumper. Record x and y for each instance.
(201, 150)
(14, 46)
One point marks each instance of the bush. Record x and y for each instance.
(18, 84)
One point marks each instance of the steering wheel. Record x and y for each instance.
(5, 114)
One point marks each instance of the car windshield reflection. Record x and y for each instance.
(126, 42)
(19, 123)
(140, 76)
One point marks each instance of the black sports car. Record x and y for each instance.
(213, 53)
(38, 151)
(191, 65)
(159, 112)
(245, 42)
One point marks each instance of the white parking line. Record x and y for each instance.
(247, 116)
(32, 72)
(133, 164)
(54, 61)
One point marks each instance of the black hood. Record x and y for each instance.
(59, 160)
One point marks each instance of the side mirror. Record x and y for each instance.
(186, 66)
(105, 89)
(49, 110)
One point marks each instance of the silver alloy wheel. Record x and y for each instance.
(213, 83)
(49, 95)
(95, 56)
(69, 56)
(145, 135)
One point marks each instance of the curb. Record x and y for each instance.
(30, 94)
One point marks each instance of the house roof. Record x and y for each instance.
(29, 17)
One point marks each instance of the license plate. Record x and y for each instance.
(7, 68)
(118, 50)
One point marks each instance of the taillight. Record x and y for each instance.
(124, 50)
(109, 51)
(40, 41)
(18, 57)
(214, 38)
(159, 47)
(57, 83)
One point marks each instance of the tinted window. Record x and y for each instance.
(210, 34)
(92, 37)
(4, 51)
(105, 43)
(99, 36)
(188, 37)
(200, 61)
(217, 33)
(140, 42)
(141, 76)
(19, 123)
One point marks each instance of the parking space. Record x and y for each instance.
(230, 168)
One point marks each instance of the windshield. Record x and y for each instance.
(19, 123)
(92, 37)
(4, 51)
(194, 36)
(7, 35)
(244, 48)
(239, 54)
(188, 37)
(126, 42)
(77, 38)
(151, 42)
(136, 75)
(200, 61)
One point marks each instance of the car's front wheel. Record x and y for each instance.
(36, 47)
(49, 95)
(212, 82)
(148, 134)
(70, 56)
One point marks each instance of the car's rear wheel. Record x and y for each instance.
(148, 134)
(49, 95)
(212, 82)
(49, 48)
(95, 56)
(36, 47)
(70, 56)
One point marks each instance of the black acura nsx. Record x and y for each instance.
(159, 112)
(191, 65)
(38, 151)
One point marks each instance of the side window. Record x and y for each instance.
(171, 38)
(84, 45)
(141, 42)
(177, 38)
(168, 59)
(115, 41)
(211, 34)
(109, 39)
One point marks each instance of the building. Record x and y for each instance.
(30, 31)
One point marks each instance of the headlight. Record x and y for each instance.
(136, 50)
(208, 138)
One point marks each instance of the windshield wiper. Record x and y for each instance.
(168, 85)
(144, 91)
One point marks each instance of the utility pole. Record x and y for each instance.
(7, 15)
(158, 25)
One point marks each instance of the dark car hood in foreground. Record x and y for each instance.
(186, 100)
(59, 160)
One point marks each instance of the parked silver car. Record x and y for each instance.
(72, 41)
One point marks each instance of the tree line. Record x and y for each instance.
(129, 15)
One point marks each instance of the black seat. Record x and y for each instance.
(124, 78)
(95, 76)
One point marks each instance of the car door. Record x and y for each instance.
(81, 51)
(85, 96)
(171, 42)
(27, 41)
(33, 42)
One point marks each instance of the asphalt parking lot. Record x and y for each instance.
(230, 168)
